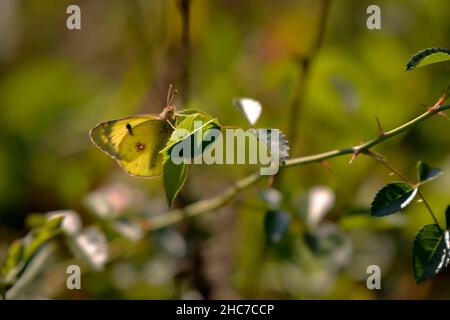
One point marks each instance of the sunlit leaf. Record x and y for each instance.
(182, 114)
(22, 251)
(35, 220)
(392, 198)
(320, 201)
(71, 221)
(428, 56)
(250, 109)
(192, 131)
(430, 252)
(35, 239)
(13, 257)
(426, 173)
(33, 267)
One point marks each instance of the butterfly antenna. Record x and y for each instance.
(169, 95)
(172, 97)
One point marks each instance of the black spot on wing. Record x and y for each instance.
(130, 129)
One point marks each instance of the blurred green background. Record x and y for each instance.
(56, 84)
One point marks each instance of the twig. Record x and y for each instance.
(196, 208)
(196, 257)
(203, 206)
(216, 202)
(395, 171)
(427, 205)
(184, 7)
(304, 70)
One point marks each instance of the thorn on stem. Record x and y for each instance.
(441, 99)
(442, 114)
(380, 128)
(355, 154)
(436, 106)
(439, 103)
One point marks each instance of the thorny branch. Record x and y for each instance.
(174, 216)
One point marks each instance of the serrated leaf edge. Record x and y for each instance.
(403, 205)
(445, 233)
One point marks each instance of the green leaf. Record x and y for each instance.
(182, 114)
(22, 251)
(175, 176)
(12, 290)
(276, 224)
(428, 56)
(186, 130)
(392, 198)
(426, 173)
(37, 240)
(13, 257)
(430, 252)
(54, 223)
(38, 237)
(35, 220)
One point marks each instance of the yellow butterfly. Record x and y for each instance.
(136, 141)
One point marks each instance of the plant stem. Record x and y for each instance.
(303, 75)
(216, 202)
(184, 7)
(196, 208)
(427, 205)
(398, 173)
(304, 66)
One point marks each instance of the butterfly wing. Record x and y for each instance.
(108, 135)
(135, 142)
(140, 151)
